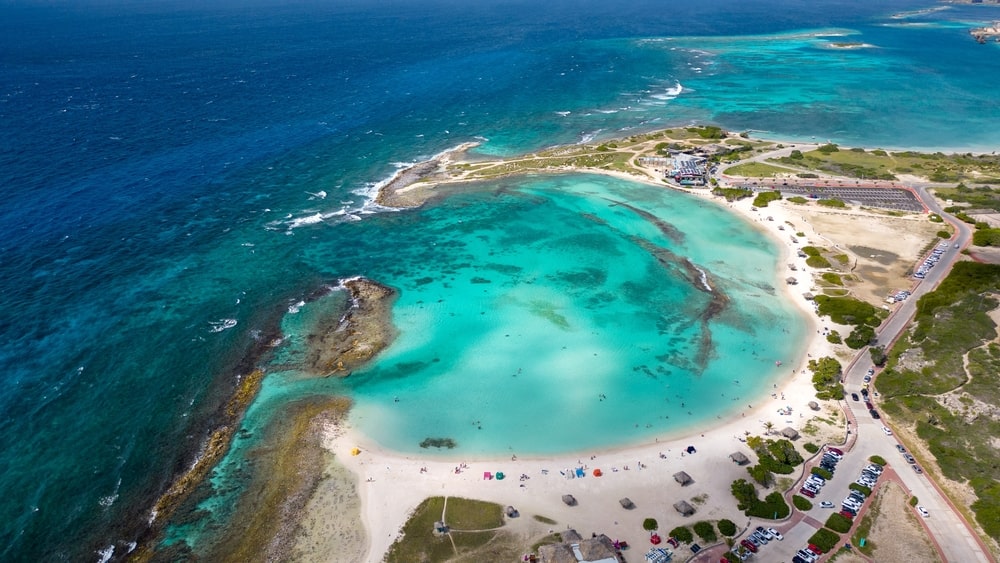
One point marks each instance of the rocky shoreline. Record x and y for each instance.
(412, 186)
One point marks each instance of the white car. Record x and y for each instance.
(775, 533)
(923, 511)
(886, 431)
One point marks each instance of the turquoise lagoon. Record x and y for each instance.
(540, 315)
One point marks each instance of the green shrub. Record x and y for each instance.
(833, 337)
(810, 447)
(798, 199)
(728, 527)
(682, 534)
(802, 503)
(705, 531)
(838, 523)
(849, 311)
(828, 148)
(832, 278)
(986, 237)
(878, 459)
(914, 501)
(773, 507)
(817, 262)
(825, 539)
(861, 336)
(878, 355)
(650, 524)
(826, 378)
(860, 488)
(832, 202)
(763, 198)
(822, 473)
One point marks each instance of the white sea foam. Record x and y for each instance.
(294, 308)
(107, 500)
(318, 195)
(587, 137)
(563, 113)
(104, 555)
(704, 279)
(221, 325)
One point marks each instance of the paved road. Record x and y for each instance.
(957, 541)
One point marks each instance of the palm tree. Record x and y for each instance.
(768, 427)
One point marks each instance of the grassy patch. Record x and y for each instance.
(838, 523)
(418, 542)
(864, 530)
(832, 278)
(801, 502)
(757, 170)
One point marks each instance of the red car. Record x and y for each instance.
(835, 450)
(808, 493)
(816, 550)
(749, 545)
(847, 515)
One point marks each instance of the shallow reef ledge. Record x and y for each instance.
(340, 345)
(413, 186)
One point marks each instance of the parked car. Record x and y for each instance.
(750, 546)
(807, 493)
(826, 504)
(923, 511)
(864, 392)
(854, 396)
(868, 378)
(886, 430)
(909, 458)
(874, 414)
(815, 549)
(869, 405)
(836, 451)
(900, 448)
(875, 467)
(917, 469)
(774, 533)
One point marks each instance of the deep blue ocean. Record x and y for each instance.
(176, 178)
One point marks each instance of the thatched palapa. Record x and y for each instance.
(626, 503)
(739, 458)
(684, 508)
(790, 433)
(683, 478)
(569, 500)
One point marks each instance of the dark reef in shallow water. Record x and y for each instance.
(342, 344)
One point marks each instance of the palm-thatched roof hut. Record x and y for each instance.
(599, 548)
(557, 553)
(814, 405)
(683, 478)
(570, 535)
(570, 500)
(739, 458)
(627, 503)
(684, 508)
(790, 433)
(791, 280)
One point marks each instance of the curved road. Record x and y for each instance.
(946, 526)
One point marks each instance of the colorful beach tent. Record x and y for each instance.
(499, 475)
(355, 451)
